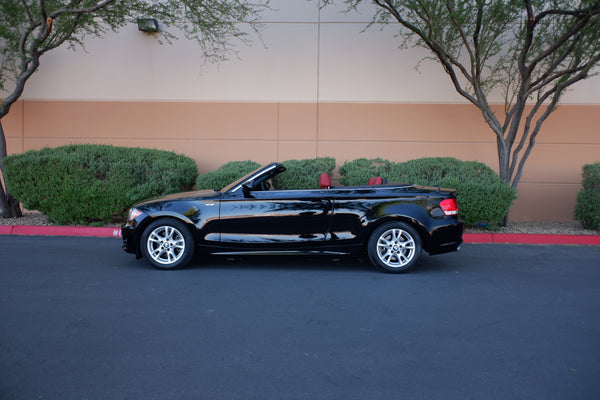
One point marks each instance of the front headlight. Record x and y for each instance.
(133, 214)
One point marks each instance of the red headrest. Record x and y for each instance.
(376, 181)
(324, 181)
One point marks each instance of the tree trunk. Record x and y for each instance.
(503, 160)
(503, 169)
(9, 206)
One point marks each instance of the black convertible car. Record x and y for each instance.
(392, 223)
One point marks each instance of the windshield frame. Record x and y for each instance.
(269, 170)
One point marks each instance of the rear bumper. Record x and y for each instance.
(446, 239)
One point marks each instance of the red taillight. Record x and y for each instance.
(449, 206)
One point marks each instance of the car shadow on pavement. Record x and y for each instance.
(427, 264)
(280, 262)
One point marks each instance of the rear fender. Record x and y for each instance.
(415, 214)
(419, 227)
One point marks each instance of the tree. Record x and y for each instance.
(530, 50)
(31, 28)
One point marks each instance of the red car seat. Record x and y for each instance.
(376, 181)
(324, 181)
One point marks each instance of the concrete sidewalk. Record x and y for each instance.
(517, 238)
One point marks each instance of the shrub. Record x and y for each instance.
(588, 198)
(359, 171)
(303, 174)
(481, 194)
(94, 184)
(225, 174)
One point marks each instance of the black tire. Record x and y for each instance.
(394, 247)
(167, 244)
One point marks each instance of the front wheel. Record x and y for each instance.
(394, 247)
(167, 244)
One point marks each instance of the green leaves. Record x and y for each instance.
(482, 196)
(30, 28)
(299, 174)
(588, 200)
(94, 184)
(529, 52)
(225, 174)
(359, 171)
(303, 174)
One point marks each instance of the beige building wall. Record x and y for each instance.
(313, 85)
(216, 132)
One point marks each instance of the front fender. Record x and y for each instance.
(170, 214)
(134, 233)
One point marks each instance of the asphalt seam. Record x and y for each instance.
(513, 238)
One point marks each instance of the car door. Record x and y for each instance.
(284, 219)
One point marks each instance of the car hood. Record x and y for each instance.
(198, 194)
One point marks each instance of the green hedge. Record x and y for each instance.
(225, 174)
(359, 171)
(94, 184)
(482, 196)
(299, 174)
(588, 200)
(303, 174)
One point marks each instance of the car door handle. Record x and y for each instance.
(325, 204)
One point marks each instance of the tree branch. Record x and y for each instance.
(27, 11)
(87, 10)
(558, 43)
(445, 58)
(556, 92)
(591, 10)
(549, 108)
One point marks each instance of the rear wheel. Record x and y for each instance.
(394, 247)
(167, 244)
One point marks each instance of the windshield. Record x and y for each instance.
(265, 172)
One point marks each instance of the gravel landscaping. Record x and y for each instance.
(32, 218)
(541, 227)
(546, 227)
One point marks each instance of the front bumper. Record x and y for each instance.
(129, 243)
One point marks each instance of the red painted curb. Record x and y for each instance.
(546, 239)
(525, 238)
(478, 238)
(64, 231)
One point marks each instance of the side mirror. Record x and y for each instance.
(246, 189)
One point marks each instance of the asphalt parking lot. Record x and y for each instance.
(83, 320)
